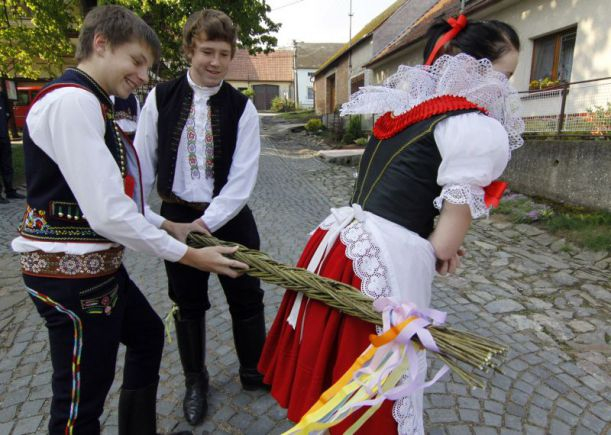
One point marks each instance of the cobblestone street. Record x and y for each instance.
(550, 303)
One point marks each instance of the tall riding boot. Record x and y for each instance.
(137, 415)
(191, 337)
(249, 336)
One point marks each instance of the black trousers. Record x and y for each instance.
(6, 161)
(97, 314)
(188, 287)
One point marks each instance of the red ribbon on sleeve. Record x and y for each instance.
(493, 193)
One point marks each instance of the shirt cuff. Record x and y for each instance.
(153, 217)
(464, 194)
(174, 250)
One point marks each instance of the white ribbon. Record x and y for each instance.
(343, 217)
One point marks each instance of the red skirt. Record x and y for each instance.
(300, 364)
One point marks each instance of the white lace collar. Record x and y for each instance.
(460, 75)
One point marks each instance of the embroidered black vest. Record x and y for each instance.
(398, 176)
(174, 99)
(53, 213)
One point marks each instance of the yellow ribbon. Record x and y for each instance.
(343, 389)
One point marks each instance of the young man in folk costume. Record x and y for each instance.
(80, 176)
(198, 140)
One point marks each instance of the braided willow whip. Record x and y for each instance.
(455, 346)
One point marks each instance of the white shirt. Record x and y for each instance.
(242, 174)
(68, 125)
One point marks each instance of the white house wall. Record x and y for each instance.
(303, 83)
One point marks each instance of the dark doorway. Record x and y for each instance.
(264, 94)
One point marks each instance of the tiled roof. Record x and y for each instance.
(415, 32)
(313, 54)
(363, 33)
(276, 66)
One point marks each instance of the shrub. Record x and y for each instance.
(249, 92)
(361, 141)
(280, 104)
(313, 125)
(353, 130)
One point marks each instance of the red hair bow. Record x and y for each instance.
(457, 25)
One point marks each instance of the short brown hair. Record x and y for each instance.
(119, 25)
(215, 25)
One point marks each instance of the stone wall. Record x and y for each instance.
(572, 172)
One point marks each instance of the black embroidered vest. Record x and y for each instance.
(53, 213)
(174, 99)
(398, 176)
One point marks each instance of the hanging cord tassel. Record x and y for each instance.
(167, 322)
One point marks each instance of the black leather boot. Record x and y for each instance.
(191, 337)
(137, 414)
(249, 336)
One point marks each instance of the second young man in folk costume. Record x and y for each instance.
(198, 140)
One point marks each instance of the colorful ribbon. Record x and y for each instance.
(457, 25)
(76, 356)
(376, 374)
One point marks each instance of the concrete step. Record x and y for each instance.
(346, 157)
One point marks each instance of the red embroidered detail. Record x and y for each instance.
(389, 125)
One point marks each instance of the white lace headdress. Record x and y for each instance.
(460, 75)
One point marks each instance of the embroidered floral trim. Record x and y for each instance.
(209, 152)
(192, 143)
(389, 125)
(35, 225)
(366, 260)
(71, 266)
(404, 412)
(464, 194)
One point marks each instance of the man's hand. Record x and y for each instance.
(444, 267)
(213, 260)
(181, 231)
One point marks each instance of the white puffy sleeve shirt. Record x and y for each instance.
(68, 125)
(474, 152)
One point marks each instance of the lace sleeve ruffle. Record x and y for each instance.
(464, 194)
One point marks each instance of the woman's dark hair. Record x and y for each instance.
(480, 39)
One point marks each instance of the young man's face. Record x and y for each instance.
(209, 61)
(126, 67)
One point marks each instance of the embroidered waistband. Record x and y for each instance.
(62, 265)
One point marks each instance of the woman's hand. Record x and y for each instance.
(443, 267)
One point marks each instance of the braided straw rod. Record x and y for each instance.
(454, 346)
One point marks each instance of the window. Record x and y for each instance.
(356, 83)
(310, 93)
(553, 56)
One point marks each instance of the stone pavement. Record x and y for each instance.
(549, 302)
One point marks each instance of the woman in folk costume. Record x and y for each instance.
(447, 131)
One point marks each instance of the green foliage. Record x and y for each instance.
(599, 119)
(313, 125)
(361, 141)
(249, 92)
(353, 130)
(281, 104)
(35, 34)
(587, 228)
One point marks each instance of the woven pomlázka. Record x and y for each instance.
(455, 346)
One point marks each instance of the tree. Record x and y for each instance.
(35, 34)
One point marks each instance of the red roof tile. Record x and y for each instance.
(276, 66)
